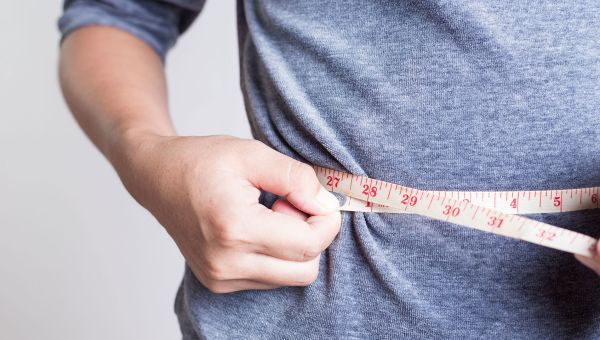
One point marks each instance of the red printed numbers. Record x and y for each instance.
(451, 211)
(495, 222)
(369, 190)
(556, 202)
(333, 181)
(546, 235)
(409, 200)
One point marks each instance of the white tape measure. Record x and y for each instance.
(493, 212)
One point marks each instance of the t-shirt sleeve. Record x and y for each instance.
(158, 23)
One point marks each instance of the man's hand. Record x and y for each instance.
(204, 191)
(594, 262)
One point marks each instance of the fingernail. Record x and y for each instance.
(327, 200)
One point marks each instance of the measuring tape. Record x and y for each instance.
(491, 211)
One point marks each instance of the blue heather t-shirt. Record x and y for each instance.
(433, 94)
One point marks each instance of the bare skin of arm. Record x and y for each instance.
(203, 190)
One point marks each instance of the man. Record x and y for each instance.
(463, 95)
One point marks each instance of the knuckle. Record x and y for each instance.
(227, 232)
(225, 236)
(216, 271)
(311, 251)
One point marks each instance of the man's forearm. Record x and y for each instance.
(115, 86)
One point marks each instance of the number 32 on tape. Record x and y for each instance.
(494, 212)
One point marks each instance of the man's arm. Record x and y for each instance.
(203, 190)
(115, 86)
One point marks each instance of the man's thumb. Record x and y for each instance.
(297, 181)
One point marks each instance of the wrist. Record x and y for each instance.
(129, 143)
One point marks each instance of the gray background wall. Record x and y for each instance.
(79, 259)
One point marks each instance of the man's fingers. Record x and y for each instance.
(284, 176)
(272, 271)
(289, 238)
(229, 286)
(286, 208)
(264, 272)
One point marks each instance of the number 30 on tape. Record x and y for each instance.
(494, 212)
